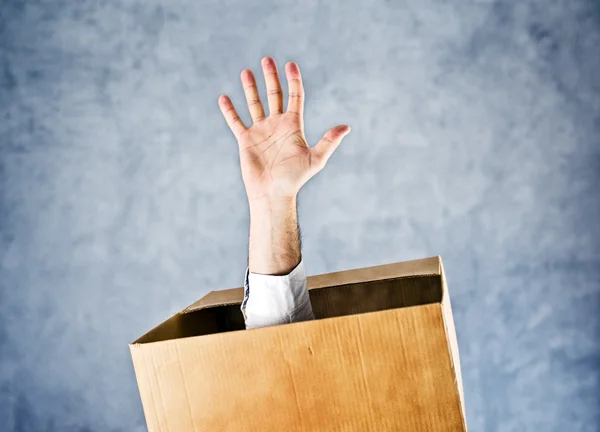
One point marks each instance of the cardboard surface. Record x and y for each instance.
(381, 356)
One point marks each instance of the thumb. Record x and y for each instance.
(327, 145)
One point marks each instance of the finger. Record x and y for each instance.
(234, 121)
(274, 93)
(295, 87)
(327, 145)
(257, 113)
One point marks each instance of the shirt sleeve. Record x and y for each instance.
(272, 300)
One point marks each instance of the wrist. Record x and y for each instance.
(269, 218)
(272, 206)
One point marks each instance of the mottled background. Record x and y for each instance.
(475, 136)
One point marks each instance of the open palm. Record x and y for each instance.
(275, 158)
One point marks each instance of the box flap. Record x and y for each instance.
(419, 267)
(218, 298)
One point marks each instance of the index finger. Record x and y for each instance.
(295, 87)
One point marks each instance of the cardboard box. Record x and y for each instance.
(380, 356)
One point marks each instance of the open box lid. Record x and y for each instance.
(381, 355)
(420, 267)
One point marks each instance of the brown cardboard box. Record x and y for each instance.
(380, 356)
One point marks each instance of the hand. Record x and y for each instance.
(275, 158)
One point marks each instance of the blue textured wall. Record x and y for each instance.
(475, 136)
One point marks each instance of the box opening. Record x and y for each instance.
(327, 302)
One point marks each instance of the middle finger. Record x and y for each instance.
(274, 93)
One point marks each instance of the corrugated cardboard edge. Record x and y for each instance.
(452, 341)
(144, 379)
(419, 267)
(217, 298)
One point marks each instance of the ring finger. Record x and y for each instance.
(257, 112)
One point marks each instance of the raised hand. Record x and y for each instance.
(275, 158)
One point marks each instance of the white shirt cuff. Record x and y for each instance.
(272, 300)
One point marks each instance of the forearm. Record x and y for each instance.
(275, 286)
(274, 238)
